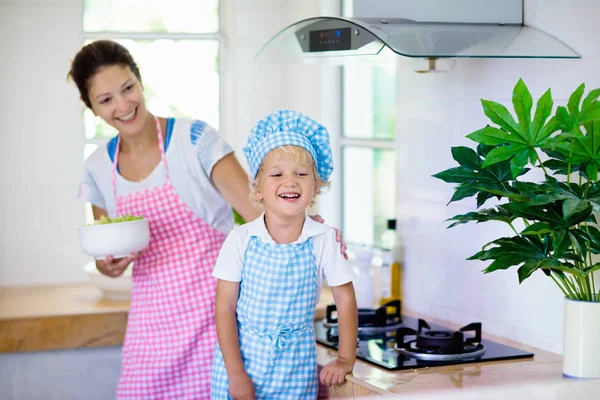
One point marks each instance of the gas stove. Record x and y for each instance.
(395, 342)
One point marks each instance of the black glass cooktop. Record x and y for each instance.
(382, 350)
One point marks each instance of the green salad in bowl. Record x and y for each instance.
(107, 220)
(117, 237)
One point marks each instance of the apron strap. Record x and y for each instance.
(116, 157)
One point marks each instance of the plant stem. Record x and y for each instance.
(578, 287)
(569, 165)
(581, 284)
(587, 187)
(571, 288)
(589, 250)
(559, 286)
(588, 286)
(567, 284)
(583, 287)
(542, 165)
(513, 228)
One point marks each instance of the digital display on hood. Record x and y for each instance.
(329, 40)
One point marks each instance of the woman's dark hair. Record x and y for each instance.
(92, 57)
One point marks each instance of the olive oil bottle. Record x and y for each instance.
(392, 264)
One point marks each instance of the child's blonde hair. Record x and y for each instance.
(296, 153)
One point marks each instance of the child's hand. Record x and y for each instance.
(241, 387)
(338, 235)
(335, 372)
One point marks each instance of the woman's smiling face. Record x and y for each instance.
(287, 186)
(116, 95)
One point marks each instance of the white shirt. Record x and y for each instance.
(332, 266)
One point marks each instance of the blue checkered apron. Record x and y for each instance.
(275, 312)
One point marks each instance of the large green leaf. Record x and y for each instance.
(529, 252)
(504, 153)
(466, 157)
(570, 118)
(457, 175)
(579, 148)
(537, 229)
(489, 214)
(551, 215)
(522, 103)
(575, 197)
(594, 239)
(518, 141)
(474, 179)
(542, 113)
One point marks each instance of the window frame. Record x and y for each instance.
(217, 36)
(344, 141)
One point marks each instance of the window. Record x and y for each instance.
(368, 154)
(176, 44)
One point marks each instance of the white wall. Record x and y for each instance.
(435, 112)
(41, 156)
(40, 114)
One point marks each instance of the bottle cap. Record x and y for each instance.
(391, 224)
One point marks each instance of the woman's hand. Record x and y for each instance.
(338, 235)
(241, 387)
(335, 372)
(114, 267)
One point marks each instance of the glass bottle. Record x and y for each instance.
(392, 268)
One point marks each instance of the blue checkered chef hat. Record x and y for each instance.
(289, 128)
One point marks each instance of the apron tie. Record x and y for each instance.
(279, 337)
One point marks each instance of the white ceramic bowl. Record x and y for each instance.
(112, 288)
(117, 239)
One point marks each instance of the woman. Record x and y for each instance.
(183, 177)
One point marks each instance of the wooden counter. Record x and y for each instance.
(59, 317)
(68, 317)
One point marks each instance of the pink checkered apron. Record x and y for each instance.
(171, 335)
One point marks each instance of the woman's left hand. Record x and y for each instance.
(338, 235)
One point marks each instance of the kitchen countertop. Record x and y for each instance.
(555, 390)
(59, 317)
(539, 378)
(65, 317)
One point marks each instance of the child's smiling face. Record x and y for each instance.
(287, 185)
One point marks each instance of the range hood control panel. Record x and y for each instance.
(333, 35)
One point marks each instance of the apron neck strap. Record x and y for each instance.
(161, 146)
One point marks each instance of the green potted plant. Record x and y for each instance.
(553, 219)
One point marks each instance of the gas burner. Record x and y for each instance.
(440, 345)
(386, 318)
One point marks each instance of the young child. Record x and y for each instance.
(270, 272)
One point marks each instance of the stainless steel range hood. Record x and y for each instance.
(415, 28)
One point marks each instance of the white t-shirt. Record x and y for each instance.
(192, 148)
(332, 266)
